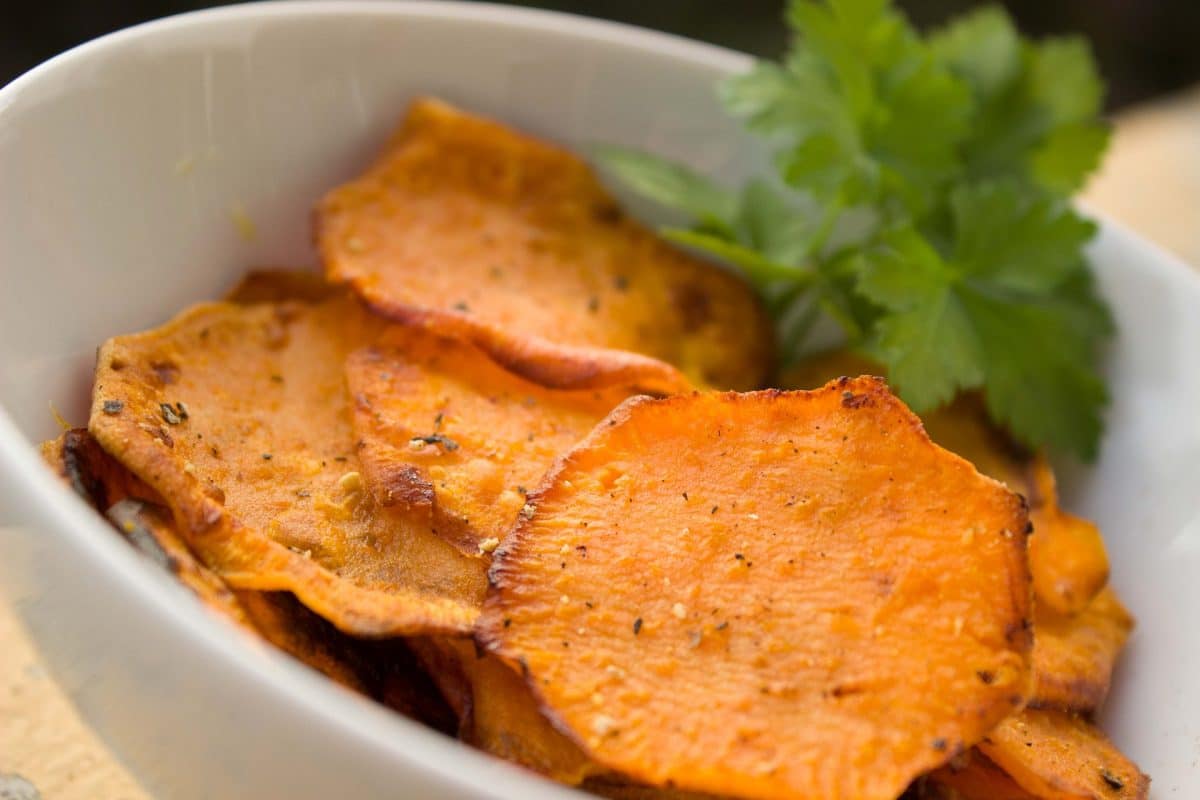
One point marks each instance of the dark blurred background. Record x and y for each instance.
(1146, 47)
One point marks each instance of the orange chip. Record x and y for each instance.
(1058, 756)
(238, 416)
(438, 421)
(767, 595)
(79, 460)
(1073, 656)
(976, 779)
(1067, 557)
(150, 529)
(486, 234)
(135, 510)
(1068, 560)
(497, 712)
(616, 789)
(278, 285)
(385, 670)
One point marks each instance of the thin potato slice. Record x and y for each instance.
(1067, 557)
(239, 417)
(616, 789)
(1058, 756)
(1068, 560)
(278, 285)
(438, 421)
(151, 530)
(385, 671)
(79, 460)
(497, 712)
(977, 779)
(135, 510)
(486, 234)
(850, 609)
(1073, 656)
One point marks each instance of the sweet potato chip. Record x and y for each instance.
(767, 595)
(438, 421)
(1058, 756)
(98, 479)
(1067, 557)
(616, 789)
(1068, 560)
(498, 714)
(135, 510)
(975, 779)
(384, 670)
(1073, 656)
(278, 285)
(484, 233)
(151, 530)
(239, 417)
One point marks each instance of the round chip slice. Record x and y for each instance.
(437, 419)
(1054, 755)
(1074, 656)
(480, 232)
(238, 416)
(768, 595)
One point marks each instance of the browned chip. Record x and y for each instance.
(1073, 656)
(278, 285)
(497, 712)
(768, 595)
(239, 417)
(439, 421)
(150, 528)
(1058, 756)
(385, 670)
(615, 789)
(487, 234)
(976, 778)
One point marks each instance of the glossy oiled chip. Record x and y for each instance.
(239, 417)
(438, 418)
(479, 231)
(1058, 756)
(1073, 656)
(768, 595)
(976, 779)
(1068, 560)
(497, 712)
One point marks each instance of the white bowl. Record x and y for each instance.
(125, 165)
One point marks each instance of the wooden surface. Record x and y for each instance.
(1151, 183)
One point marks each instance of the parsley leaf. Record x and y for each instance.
(1037, 102)
(922, 203)
(1006, 309)
(672, 185)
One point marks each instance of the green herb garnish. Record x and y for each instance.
(922, 200)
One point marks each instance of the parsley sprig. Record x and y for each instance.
(922, 200)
